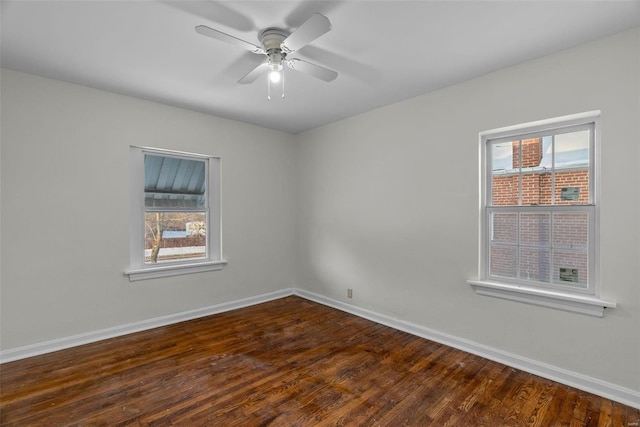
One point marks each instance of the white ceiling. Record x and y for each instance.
(384, 51)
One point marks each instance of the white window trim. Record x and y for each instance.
(173, 270)
(585, 304)
(575, 302)
(138, 270)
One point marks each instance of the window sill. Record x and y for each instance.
(173, 270)
(584, 304)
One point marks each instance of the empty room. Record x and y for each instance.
(301, 213)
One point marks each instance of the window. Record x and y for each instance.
(539, 213)
(175, 213)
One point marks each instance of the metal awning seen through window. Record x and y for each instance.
(173, 182)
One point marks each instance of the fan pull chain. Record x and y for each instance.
(269, 85)
(282, 83)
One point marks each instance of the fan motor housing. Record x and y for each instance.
(272, 38)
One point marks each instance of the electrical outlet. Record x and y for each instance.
(349, 293)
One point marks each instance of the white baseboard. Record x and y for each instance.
(129, 328)
(592, 385)
(583, 382)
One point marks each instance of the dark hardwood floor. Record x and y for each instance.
(289, 362)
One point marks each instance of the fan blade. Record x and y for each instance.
(252, 75)
(314, 70)
(312, 28)
(219, 35)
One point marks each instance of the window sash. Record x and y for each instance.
(550, 131)
(175, 182)
(163, 255)
(550, 246)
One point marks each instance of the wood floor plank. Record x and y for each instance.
(288, 362)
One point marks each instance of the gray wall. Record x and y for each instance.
(65, 209)
(385, 203)
(388, 206)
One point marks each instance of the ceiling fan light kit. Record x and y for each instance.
(272, 39)
(276, 44)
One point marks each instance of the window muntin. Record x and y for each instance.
(540, 208)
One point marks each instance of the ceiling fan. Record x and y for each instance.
(276, 45)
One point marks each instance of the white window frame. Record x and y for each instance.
(586, 301)
(138, 270)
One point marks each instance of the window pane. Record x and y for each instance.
(572, 149)
(531, 152)
(572, 168)
(175, 236)
(535, 229)
(504, 228)
(536, 187)
(505, 177)
(171, 182)
(571, 230)
(536, 181)
(534, 264)
(503, 260)
(570, 268)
